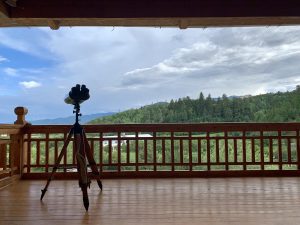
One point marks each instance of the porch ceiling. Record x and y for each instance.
(173, 13)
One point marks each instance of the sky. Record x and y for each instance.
(130, 67)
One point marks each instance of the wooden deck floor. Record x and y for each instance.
(155, 201)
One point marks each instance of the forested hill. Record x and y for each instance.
(272, 107)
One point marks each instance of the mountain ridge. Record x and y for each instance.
(70, 119)
(270, 107)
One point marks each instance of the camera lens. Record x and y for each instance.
(84, 93)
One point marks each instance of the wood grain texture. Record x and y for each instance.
(213, 201)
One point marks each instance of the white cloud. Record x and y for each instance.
(11, 71)
(2, 59)
(234, 61)
(30, 84)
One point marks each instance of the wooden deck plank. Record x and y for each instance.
(155, 201)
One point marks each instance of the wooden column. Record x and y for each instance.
(18, 148)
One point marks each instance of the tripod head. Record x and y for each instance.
(76, 96)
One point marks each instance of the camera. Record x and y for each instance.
(77, 95)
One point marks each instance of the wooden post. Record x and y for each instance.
(18, 148)
(21, 113)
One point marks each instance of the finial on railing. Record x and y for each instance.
(21, 112)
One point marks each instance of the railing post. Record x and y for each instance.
(21, 113)
(18, 148)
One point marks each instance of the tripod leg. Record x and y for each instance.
(91, 160)
(63, 151)
(84, 181)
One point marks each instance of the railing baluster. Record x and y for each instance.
(298, 149)
(226, 150)
(235, 151)
(190, 152)
(262, 153)
(181, 150)
(65, 155)
(244, 151)
(91, 143)
(145, 151)
(101, 152)
(289, 150)
(128, 151)
(38, 152)
(163, 146)
(55, 150)
(29, 154)
(208, 150)
(109, 152)
(136, 151)
(47, 153)
(253, 150)
(119, 152)
(154, 151)
(271, 149)
(199, 151)
(172, 151)
(279, 150)
(217, 151)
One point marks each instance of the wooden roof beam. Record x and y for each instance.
(158, 13)
(54, 24)
(155, 8)
(4, 10)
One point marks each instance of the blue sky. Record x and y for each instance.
(130, 67)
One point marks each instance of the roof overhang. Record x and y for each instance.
(157, 13)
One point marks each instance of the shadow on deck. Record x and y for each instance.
(155, 201)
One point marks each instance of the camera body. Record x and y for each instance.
(77, 95)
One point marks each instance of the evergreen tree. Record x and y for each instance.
(276, 107)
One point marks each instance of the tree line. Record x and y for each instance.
(271, 107)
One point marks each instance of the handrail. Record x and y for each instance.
(171, 150)
(169, 127)
(10, 128)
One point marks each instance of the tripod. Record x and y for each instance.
(83, 152)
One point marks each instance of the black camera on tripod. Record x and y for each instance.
(77, 95)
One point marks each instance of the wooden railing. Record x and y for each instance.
(170, 150)
(11, 148)
(10, 142)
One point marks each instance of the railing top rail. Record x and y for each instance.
(10, 128)
(179, 127)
